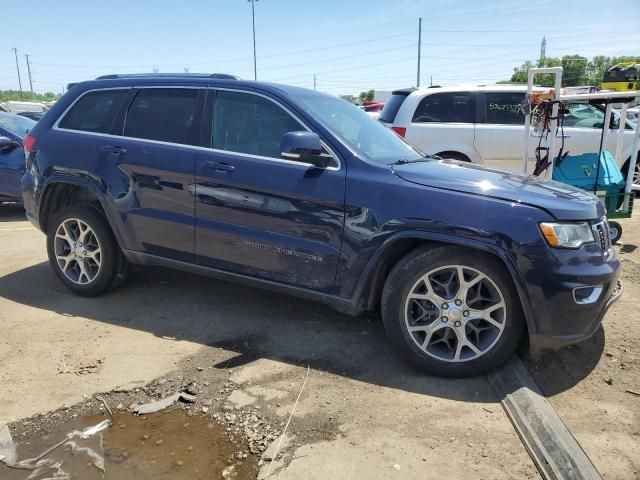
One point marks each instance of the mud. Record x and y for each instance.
(165, 445)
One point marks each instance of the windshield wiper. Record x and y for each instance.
(426, 158)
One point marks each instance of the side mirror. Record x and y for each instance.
(6, 143)
(304, 147)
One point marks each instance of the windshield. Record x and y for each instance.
(16, 124)
(364, 134)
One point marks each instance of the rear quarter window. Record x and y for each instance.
(390, 109)
(94, 111)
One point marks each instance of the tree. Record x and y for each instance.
(14, 95)
(367, 96)
(574, 70)
(521, 73)
(596, 68)
(577, 70)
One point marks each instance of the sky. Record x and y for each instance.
(349, 46)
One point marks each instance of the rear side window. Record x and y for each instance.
(390, 109)
(247, 123)
(454, 107)
(164, 114)
(504, 108)
(95, 111)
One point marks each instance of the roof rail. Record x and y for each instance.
(216, 76)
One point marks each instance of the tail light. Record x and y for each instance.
(400, 131)
(28, 145)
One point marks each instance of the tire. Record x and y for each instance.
(615, 230)
(494, 342)
(454, 156)
(103, 265)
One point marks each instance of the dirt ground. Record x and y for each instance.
(245, 352)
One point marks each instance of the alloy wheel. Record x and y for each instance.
(77, 250)
(455, 313)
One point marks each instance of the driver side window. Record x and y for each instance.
(251, 124)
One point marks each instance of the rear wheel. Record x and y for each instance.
(452, 311)
(83, 252)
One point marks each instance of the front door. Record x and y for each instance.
(256, 213)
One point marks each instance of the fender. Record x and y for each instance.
(90, 184)
(359, 296)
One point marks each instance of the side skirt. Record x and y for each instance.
(342, 305)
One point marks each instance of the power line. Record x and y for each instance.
(347, 68)
(297, 52)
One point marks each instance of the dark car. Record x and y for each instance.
(296, 191)
(13, 128)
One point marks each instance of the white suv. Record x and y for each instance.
(483, 124)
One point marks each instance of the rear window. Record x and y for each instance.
(95, 111)
(390, 109)
(503, 108)
(453, 107)
(164, 114)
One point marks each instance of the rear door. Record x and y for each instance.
(256, 213)
(499, 134)
(444, 122)
(155, 165)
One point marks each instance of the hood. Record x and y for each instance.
(562, 201)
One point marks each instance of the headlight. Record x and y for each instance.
(567, 235)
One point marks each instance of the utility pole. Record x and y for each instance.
(314, 81)
(15, 51)
(419, 47)
(29, 72)
(431, 80)
(253, 23)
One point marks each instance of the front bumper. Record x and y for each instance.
(540, 343)
(569, 291)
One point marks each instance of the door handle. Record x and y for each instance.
(220, 166)
(114, 150)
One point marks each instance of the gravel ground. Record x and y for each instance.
(245, 352)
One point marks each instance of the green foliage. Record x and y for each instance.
(577, 70)
(14, 95)
(367, 95)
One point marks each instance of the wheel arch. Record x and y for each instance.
(369, 288)
(61, 191)
(455, 155)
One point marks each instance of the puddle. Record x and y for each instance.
(164, 445)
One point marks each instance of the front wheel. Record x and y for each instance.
(82, 251)
(452, 311)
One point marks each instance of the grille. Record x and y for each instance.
(601, 232)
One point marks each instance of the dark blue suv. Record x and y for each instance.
(299, 192)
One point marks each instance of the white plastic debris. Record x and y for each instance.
(8, 452)
(44, 468)
(166, 402)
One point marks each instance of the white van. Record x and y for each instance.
(13, 106)
(483, 124)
